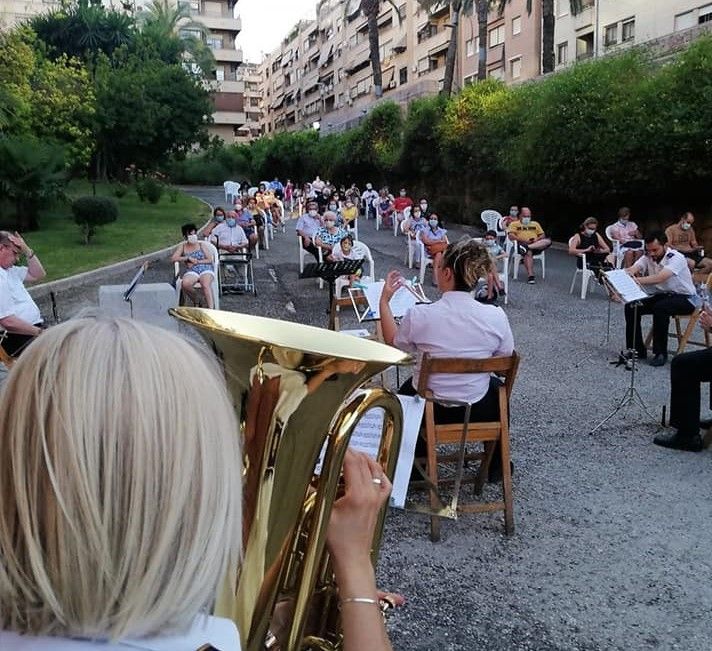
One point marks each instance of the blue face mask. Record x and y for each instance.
(231, 222)
(219, 218)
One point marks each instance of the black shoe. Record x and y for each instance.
(531, 280)
(658, 360)
(494, 473)
(677, 441)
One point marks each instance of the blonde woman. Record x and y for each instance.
(120, 498)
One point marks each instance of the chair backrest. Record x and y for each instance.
(609, 233)
(362, 251)
(503, 366)
(492, 219)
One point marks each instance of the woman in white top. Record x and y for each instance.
(454, 326)
(121, 492)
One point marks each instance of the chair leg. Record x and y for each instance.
(433, 476)
(573, 282)
(543, 266)
(683, 338)
(483, 472)
(507, 485)
(585, 276)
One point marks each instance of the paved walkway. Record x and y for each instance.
(612, 542)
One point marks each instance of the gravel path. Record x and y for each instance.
(612, 542)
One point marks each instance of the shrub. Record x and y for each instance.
(149, 189)
(120, 190)
(173, 194)
(90, 212)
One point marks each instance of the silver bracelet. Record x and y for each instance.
(360, 600)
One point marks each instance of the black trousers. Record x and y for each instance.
(14, 343)
(687, 372)
(662, 307)
(486, 409)
(313, 249)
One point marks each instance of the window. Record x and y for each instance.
(515, 68)
(562, 54)
(190, 33)
(628, 30)
(385, 50)
(516, 25)
(470, 79)
(496, 73)
(470, 47)
(684, 21)
(423, 65)
(403, 76)
(584, 46)
(496, 36)
(219, 74)
(610, 34)
(562, 7)
(214, 42)
(705, 14)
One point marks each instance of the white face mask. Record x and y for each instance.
(192, 238)
(490, 243)
(622, 221)
(686, 226)
(433, 223)
(313, 213)
(526, 220)
(423, 205)
(590, 231)
(329, 223)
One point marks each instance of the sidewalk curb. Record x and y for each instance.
(62, 284)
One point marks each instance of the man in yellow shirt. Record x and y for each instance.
(529, 238)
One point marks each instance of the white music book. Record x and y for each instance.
(405, 297)
(625, 286)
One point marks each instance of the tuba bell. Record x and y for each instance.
(294, 388)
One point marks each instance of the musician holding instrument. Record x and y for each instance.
(19, 314)
(121, 500)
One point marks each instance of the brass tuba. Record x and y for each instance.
(293, 387)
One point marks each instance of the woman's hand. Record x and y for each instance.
(394, 282)
(354, 516)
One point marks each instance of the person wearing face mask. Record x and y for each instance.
(349, 213)
(494, 286)
(329, 235)
(308, 226)
(385, 208)
(425, 208)
(512, 216)
(434, 237)
(529, 237)
(588, 242)
(198, 261)
(218, 218)
(681, 237)
(367, 198)
(628, 234)
(229, 236)
(664, 274)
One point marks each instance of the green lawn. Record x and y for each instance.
(142, 227)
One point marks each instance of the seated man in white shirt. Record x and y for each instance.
(19, 314)
(229, 236)
(307, 227)
(664, 273)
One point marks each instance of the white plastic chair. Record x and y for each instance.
(585, 273)
(353, 228)
(493, 221)
(539, 257)
(410, 243)
(399, 218)
(618, 252)
(425, 260)
(504, 278)
(232, 190)
(302, 257)
(379, 218)
(216, 280)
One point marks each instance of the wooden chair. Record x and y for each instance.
(489, 433)
(4, 356)
(683, 335)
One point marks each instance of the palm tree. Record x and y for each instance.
(370, 9)
(457, 8)
(162, 21)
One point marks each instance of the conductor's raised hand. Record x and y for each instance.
(394, 281)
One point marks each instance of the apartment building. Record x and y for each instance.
(249, 75)
(607, 26)
(223, 25)
(513, 47)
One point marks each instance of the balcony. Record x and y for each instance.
(228, 55)
(225, 23)
(235, 118)
(228, 86)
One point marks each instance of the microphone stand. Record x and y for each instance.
(632, 395)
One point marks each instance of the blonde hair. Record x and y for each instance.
(120, 483)
(469, 261)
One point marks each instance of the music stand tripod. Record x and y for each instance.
(631, 395)
(330, 271)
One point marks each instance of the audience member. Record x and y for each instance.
(107, 559)
(511, 217)
(385, 208)
(588, 242)
(401, 203)
(687, 372)
(425, 208)
(246, 221)
(349, 213)
(627, 234)
(529, 238)
(344, 250)
(329, 235)
(665, 274)
(19, 315)
(307, 227)
(435, 240)
(229, 236)
(198, 261)
(681, 237)
(367, 198)
(218, 218)
(495, 288)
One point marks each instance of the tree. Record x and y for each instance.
(457, 7)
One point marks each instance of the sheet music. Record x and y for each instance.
(625, 285)
(367, 439)
(400, 302)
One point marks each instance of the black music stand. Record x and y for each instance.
(330, 271)
(128, 294)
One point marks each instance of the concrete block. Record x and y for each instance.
(149, 303)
